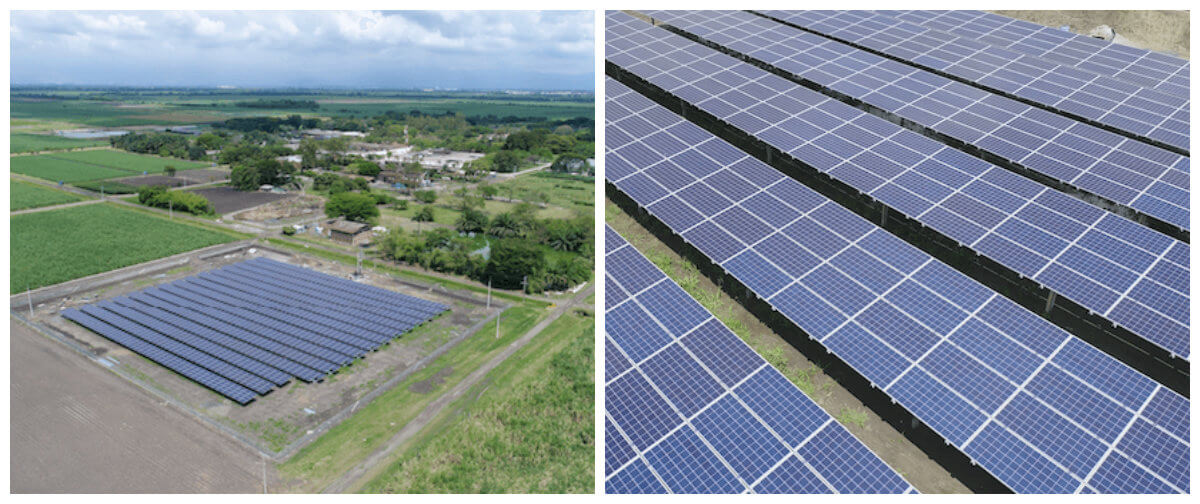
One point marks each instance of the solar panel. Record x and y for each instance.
(246, 328)
(972, 365)
(695, 410)
(1084, 254)
(1129, 173)
(1130, 109)
(1149, 69)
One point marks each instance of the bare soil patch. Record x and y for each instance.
(297, 206)
(429, 384)
(79, 428)
(228, 199)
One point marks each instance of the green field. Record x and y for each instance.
(345, 445)
(58, 245)
(567, 191)
(527, 428)
(81, 166)
(24, 195)
(28, 142)
(180, 107)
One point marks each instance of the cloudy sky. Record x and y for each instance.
(457, 49)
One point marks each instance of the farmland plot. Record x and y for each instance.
(25, 195)
(82, 166)
(58, 245)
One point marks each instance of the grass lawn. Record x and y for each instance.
(528, 428)
(25, 195)
(27, 142)
(348, 443)
(567, 191)
(58, 245)
(82, 166)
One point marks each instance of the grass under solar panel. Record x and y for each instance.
(1037, 408)
(246, 328)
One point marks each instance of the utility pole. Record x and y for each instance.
(360, 256)
(29, 298)
(525, 284)
(489, 301)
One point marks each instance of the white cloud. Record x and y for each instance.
(398, 49)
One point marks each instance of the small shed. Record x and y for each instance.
(349, 232)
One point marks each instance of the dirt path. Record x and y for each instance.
(55, 207)
(360, 474)
(79, 428)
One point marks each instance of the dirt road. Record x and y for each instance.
(55, 207)
(360, 474)
(78, 428)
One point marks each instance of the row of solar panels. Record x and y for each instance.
(1132, 276)
(1144, 68)
(246, 328)
(1039, 409)
(1129, 109)
(1131, 174)
(693, 409)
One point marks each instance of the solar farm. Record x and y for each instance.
(270, 348)
(988, 244)
(244, 329)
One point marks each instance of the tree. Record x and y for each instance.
(309, 157)
(506, 161)
(427, 197)
(511, 261)
(488, 191)
(169, 171)
(504, 225)
(210, 141)
(352, 206)
(425, 214)
(472, 221)
(525, 140)
(244, 178)
(366, 168)
(413, 174)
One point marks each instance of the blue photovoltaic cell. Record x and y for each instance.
(706, 413)
(968, 356)
(1116, 168)
(1166, 73)
(1076, 250)
(1133, 109)
(246, 328)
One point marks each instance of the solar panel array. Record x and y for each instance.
(243, 329)
(690, 408)
(1134, 277)
(1150, 69)
(1129, 108)
(1136, 175)
(1039, 409)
